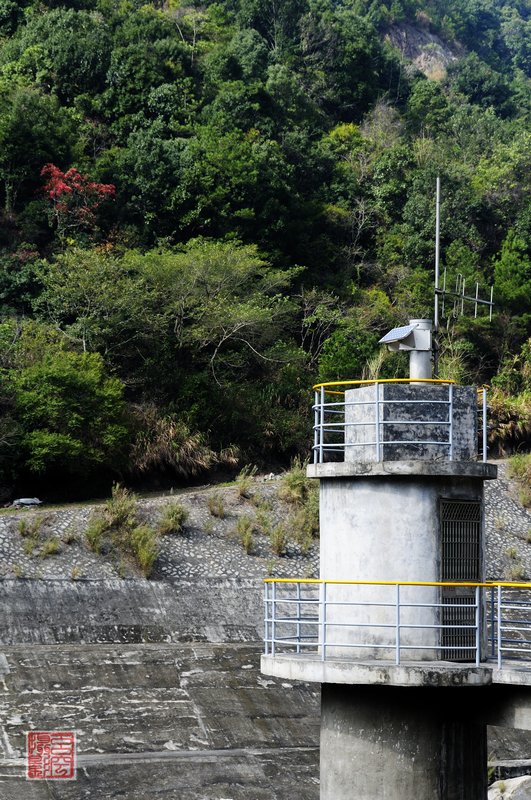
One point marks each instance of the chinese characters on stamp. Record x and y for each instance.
(51, 755)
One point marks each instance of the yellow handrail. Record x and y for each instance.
(370, 381)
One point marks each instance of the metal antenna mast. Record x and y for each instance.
(459, 295)
(437, 263)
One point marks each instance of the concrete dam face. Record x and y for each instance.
(159, 678)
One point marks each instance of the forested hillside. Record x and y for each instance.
(208, 207)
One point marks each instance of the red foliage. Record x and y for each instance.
(74, 196)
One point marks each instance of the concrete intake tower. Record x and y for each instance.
(414, 651)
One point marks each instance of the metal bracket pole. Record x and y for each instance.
(377, 420)
(397, 622)
(485, 445)
(437, 268)
(478, 626)
(323, 647)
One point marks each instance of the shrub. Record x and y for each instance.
(303, 493)
(29, 546)
(509, 420)
(32, 528)
(120, 510)
(244, 532)
(76, 573)
(279, 539)
(70, 413)
(264, 521)
(118, 522)
(165, 442)
(95, 531)
(301, 535)
(50, 547)
(144, 546)
(173, 519)
(216, 506)
(244, 481)
(295, 486)
(516, 572)
(519, 468)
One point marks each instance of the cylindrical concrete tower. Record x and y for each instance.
(399, 626)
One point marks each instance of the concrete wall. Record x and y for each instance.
(393, 744)
(385, 529)
(118, 611)
(399, 403)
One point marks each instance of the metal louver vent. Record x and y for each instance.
(461, 540)
(460, 522)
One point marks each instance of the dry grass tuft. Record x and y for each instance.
(165, 442)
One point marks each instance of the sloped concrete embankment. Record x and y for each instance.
(161, 683)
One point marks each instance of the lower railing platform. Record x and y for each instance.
(401, 633)
(311, 669)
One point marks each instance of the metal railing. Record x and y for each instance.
(335, 421)
(399, 622)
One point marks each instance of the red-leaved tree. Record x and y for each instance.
(75, 198)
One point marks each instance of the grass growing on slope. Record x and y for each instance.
(519, 469)
(117, 531)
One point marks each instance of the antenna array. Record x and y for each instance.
(459, 294)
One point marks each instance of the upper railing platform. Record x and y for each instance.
(399, 420)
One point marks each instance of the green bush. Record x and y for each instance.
(295, 486)
(120, 510)
(263, 520)
(244, 532)
(144, 547)
(278, 539)
(50, 547)
(303, 494)
(173, 518)
(70, 413)
(116, 527)
(29, 546)
(244, 481)
(509, 420)
(519, 468)
(216, 505)
(95, 532)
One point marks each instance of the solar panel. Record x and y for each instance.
(397, 334)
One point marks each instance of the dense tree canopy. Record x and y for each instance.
(206, 206)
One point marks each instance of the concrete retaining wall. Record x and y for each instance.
(57, 612)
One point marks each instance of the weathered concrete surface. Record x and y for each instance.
(417, 413)
(400, 469)
(249, 775)
(114, 610)
(314, 670)
(386, 530)
(391, 744)
(190, 721)
(511, 789)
